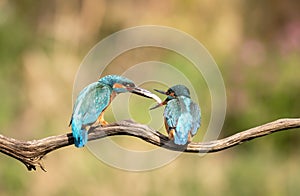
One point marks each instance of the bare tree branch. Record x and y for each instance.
(31, 153)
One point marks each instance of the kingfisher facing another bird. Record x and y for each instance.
(93, 100)
(182, 116)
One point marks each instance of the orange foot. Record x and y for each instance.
(171, 134)
(189, 137)
(101, 121)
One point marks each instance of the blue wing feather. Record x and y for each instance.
(172, 112)
(89, 104)
(196, 114)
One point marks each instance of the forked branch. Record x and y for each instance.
(31, 153)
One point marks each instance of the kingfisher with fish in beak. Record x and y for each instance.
(93, 100)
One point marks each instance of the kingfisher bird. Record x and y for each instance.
(94, 99)
(182, 116)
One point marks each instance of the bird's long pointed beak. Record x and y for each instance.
(160, 91)
(145, 93)
(156, 106)
(159, 105)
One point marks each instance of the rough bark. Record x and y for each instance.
(31, 153)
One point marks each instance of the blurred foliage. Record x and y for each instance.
(255, 43)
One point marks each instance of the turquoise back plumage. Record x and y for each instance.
(89, 104)
(183, 115)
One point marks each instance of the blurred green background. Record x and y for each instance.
(255, 43)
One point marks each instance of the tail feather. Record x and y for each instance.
(183, 128)
(180, 139)
(80, 136)
(81, 140)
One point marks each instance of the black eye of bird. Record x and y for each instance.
(171, 93)
(129, 85)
